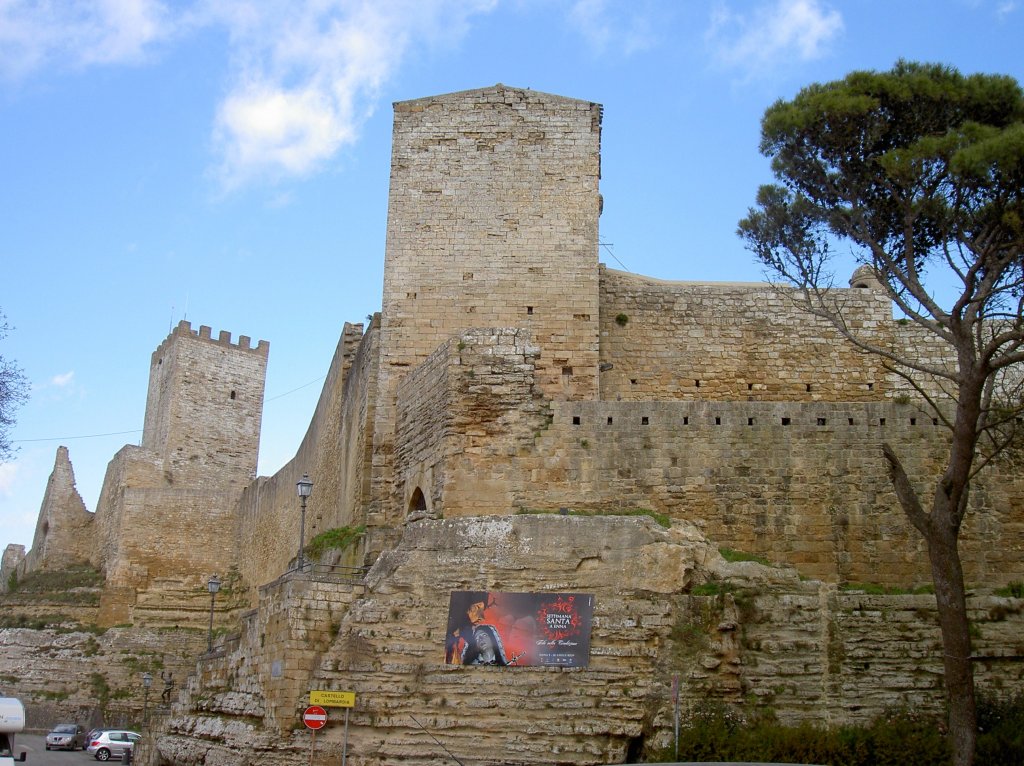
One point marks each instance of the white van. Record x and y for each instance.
(12, 720)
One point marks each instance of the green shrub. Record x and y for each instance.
(732, 555)
(338, 538)
(1014, 590)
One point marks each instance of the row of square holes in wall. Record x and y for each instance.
(750, 386)
(645, 420)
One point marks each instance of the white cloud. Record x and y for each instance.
(77, 33)
(1005, 8)
(773, 34)
(62, 380)
(307, 75)
(604, 26)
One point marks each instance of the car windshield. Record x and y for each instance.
(64, 728)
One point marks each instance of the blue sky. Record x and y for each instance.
(227, 163)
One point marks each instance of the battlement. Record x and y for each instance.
(184, 329)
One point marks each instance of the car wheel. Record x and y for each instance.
(47, 747)
(103, 754)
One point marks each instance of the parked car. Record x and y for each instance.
(65, 736)
(112, 743)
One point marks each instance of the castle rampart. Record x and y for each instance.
(335, 452)
(734, 342)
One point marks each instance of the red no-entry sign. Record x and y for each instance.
(315, 717)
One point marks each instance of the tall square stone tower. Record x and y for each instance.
(205, 404)
(492, 222)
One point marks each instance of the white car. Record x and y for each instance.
(112, 743)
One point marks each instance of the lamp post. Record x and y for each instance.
(305, 489)
(213, 585)
(147, 681)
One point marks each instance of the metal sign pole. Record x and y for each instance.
(344, 747)
(675, 705)
(312, 744)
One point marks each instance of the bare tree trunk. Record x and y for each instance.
(948, 578)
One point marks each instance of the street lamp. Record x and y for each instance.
(147, 681)
(213, 585)
(305, 489)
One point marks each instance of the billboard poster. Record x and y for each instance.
(519, 629)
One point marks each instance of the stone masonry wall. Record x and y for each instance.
(492, 222)
(335, 452)
(796, 482)
(462, 416)
(740, 342)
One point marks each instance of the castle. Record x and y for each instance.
(509, 374)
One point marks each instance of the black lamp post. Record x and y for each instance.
(147, 681)
(305, 489)
(213, 585)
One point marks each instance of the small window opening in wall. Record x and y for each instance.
(417, 502)
(632, 381)
(750, 386)
(609, 420)
(567, 372)
(686, 421)
(871, 386)
(808, 388)
(411, 296)
(529, 309)
(881, 421)
(849, 421)
(232, 396)
(750, 421)
(575, 420)
(696, 384)
(913, 421)
(935, 421)
(785, 421)
(644, 421)
(718, 421)
(821, 421)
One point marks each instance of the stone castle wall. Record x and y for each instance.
(733, 342)
(796, 482)
(335, 452)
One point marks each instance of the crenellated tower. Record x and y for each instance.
(205, 403)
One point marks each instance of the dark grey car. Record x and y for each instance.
(65, 736)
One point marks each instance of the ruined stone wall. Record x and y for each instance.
(492, 222)
(205, 404)
(64, 529)
(725, 341)
(803, 483)
(336, 454)
(13, 557)
(463, 415)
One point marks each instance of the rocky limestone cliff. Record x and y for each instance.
(666, 605)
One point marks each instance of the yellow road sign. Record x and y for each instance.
(332, 699)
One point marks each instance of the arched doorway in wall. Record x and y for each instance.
(417, 503)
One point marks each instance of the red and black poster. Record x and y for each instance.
(519, 629)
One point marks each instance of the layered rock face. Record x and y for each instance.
(666, 606)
